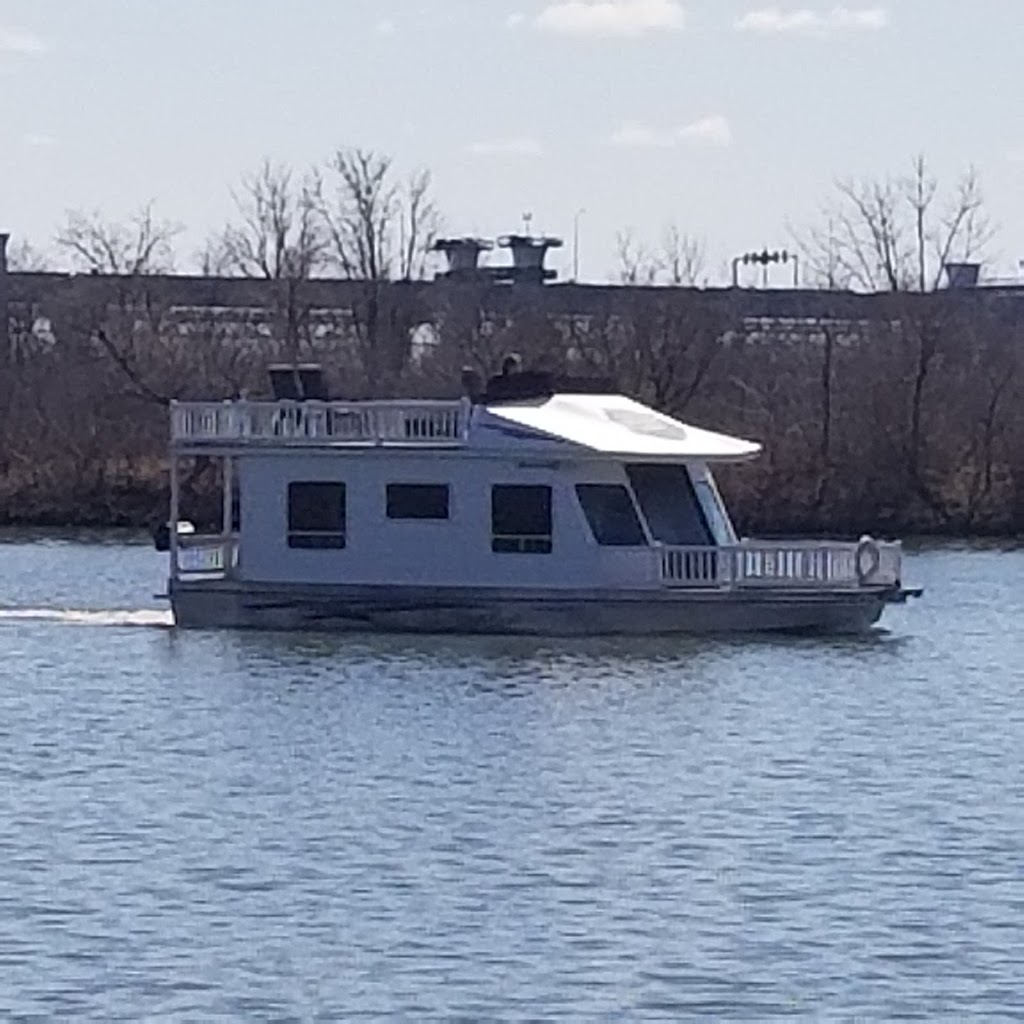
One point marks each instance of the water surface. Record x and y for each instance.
(220, 826)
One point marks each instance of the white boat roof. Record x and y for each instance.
(616, 425)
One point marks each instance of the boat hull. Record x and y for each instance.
(489, 611)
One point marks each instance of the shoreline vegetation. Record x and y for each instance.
(885, 404)
(905, 418)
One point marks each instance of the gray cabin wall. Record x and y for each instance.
(452, 552)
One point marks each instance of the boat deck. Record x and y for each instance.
(806, 565)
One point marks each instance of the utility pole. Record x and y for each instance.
(576, 244)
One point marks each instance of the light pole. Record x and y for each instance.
(576, 244)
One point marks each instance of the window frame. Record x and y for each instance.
(391, 514)
(634, 472)
(299, 539)
(523, 542)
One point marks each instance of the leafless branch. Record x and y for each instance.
(420, 225)
(279, 234)
(684, 257)
(636, 265)
(141, 245)
(24, 257)
(888, 234)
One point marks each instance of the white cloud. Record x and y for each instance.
(612, 17)
(515, 20)
(804, 21)
(523, 146)
(713, 130)
(13, 40)
(386, 27)
(633, 135)
(40, 139)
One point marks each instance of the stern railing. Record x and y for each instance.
(808, 564)
(204, 558)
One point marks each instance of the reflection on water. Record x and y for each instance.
(247, 826)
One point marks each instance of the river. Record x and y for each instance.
(219, 826)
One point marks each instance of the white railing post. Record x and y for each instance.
(174, 516)
(228, 497)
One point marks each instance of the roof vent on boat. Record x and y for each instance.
(472, 384)
(297, 382)
(514, 384)
(511, 364)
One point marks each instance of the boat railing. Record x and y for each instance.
(206, 557)
(315, 424)
(810, 564)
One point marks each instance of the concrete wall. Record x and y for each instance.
(431, 301)
(455, 552)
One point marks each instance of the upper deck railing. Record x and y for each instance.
(320, 424)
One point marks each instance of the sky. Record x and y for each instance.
(730, 118)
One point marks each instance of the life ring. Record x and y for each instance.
(867, 559)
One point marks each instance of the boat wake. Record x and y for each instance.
(150, 618)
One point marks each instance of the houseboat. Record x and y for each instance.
(530, 506)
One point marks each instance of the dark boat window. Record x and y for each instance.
(521, 519)
(316, 515)
(417, 501)
(669, 504)
(611, 515)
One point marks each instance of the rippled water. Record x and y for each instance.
(269, 827)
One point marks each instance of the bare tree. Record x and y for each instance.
(679, 262)
(278, 233)
(379, 228)
(141, 245)
(636, 264)
(118, 330)
(24, 257)
(420, 225)
(684, 257)
(897, 233)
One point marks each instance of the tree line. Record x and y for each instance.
(896, 412)
(357, 216)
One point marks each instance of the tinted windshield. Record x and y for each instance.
(611, 515)
(669, 504)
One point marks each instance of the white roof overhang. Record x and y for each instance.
(616, 425)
